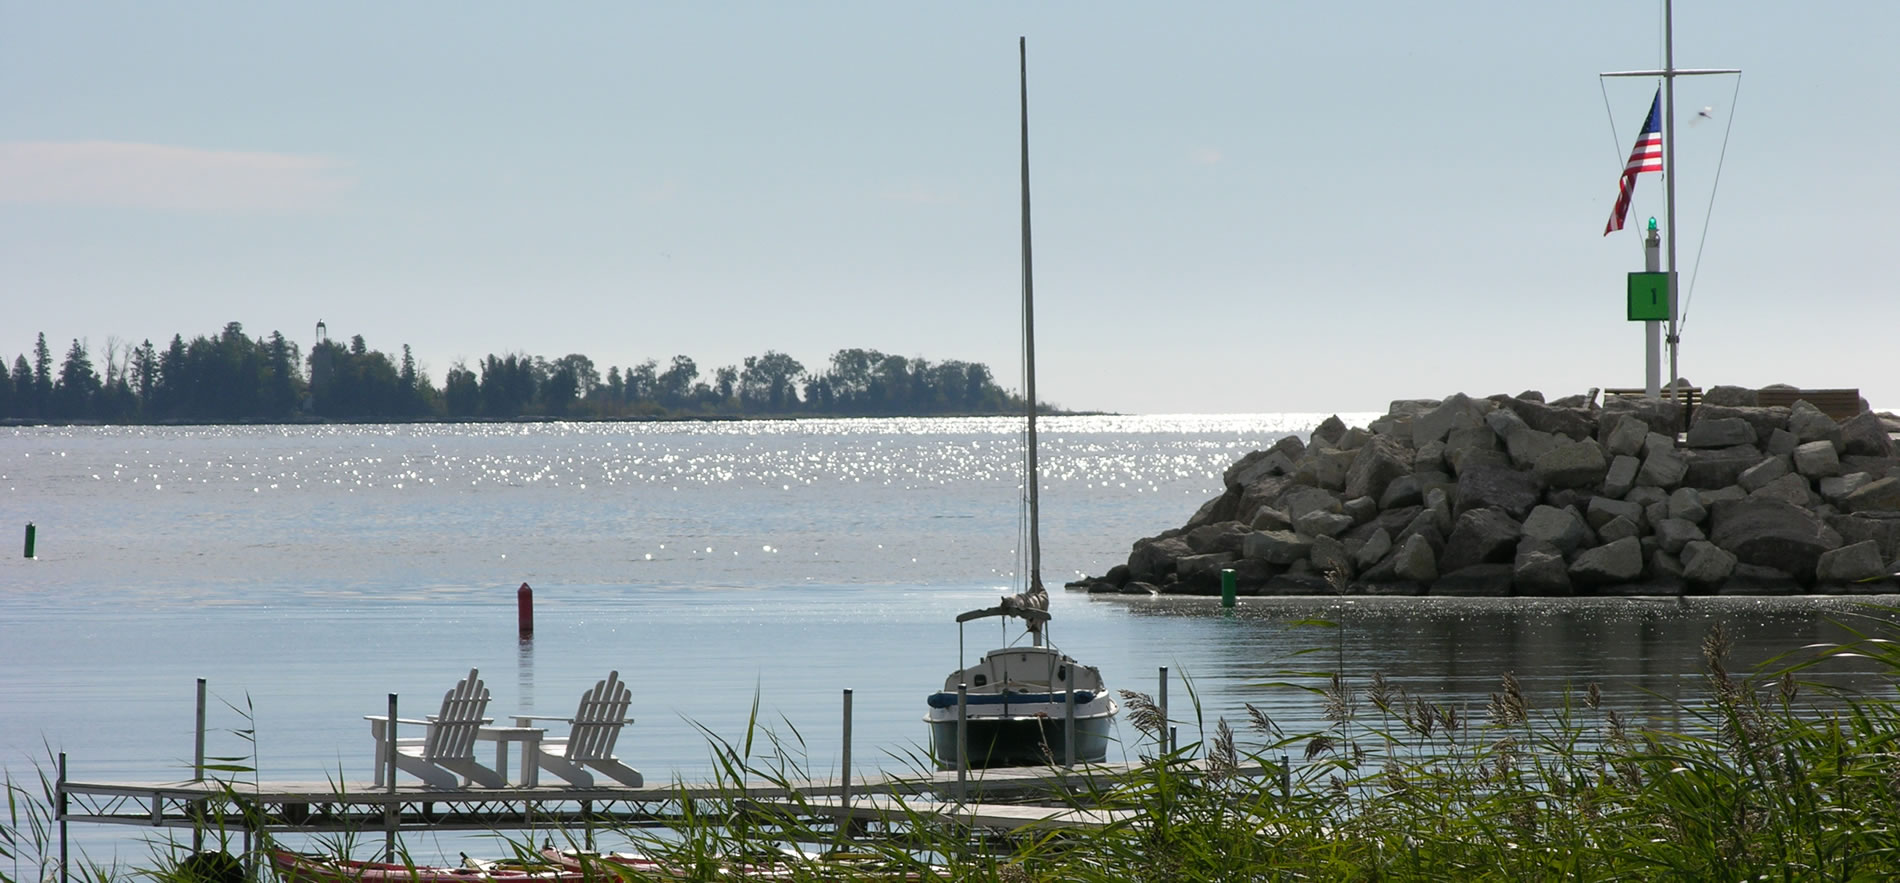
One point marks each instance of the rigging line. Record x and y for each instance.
(1616, 145)
(1688, 296)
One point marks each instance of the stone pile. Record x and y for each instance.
(1515, 496)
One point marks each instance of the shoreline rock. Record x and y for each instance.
(1513, 495)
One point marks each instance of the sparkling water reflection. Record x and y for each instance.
(307, 572)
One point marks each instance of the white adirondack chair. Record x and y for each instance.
(592, 732)
(444, 755)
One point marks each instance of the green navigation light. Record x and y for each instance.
(1652, 225)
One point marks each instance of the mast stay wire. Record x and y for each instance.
(1688, 296)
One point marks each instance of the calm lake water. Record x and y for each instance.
(308, 572)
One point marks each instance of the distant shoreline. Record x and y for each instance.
(18, 422)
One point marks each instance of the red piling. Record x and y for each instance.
(524, 610)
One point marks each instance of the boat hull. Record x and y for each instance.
(1019, 740)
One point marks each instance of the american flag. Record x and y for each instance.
(1646, 156)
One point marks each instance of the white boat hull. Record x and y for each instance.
(1020, 730)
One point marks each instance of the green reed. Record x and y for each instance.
(1767, 776)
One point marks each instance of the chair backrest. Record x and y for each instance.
(597, 723)
(452, 733)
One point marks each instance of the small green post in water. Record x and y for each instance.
(1227, 587)
(29, 539)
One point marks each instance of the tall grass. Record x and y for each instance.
(1769, 776)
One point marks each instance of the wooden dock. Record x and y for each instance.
(999, 799)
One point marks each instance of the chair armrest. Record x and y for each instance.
(383, 718)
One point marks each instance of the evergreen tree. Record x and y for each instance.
(461, 392)
(145, 374)
(23, 388)
(42, 377)
(281, 396)
(78, 385)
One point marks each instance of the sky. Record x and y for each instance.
(1238, 207)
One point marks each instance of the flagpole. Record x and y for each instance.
(1669, 73)
(1669, 183)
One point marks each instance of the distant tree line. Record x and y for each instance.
(232, 377)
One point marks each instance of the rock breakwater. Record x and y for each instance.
(1513, 495)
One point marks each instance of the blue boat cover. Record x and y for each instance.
(949, 700)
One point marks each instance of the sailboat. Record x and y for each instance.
(1021, 705)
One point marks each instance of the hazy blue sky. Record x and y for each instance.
(1250, 206)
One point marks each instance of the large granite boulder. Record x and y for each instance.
(1706, 564)
(1523, 443)
(1221, 508)
(1375, 465)
(1372, 550)
(1720, 467)
(1808, 423)
(1662, 469)
(1402, 491)
(1319, 523)
(1278, 459)
(1609, 564)
(1772, 533)
(1883, 528)
(1672, 534)
(1224, 536)
(1154, 558)
(1203, 569)
(1329, 432)
(1324, 466)
(1499, 487)
(1755, 477)
(1817, 459)
(1560, 528)
(1763, 420)
(1863, 434)
(1730, 396)
(1329, 554)
(1573, 465)
(1835, 488)
(1539, 570)
(1792, 488)
(1720, 432)
(1415, 561)
(1851, 563)
(1686, 504)
(1576, 423)
(1480, 536)
(1434, 424)
(1262, 493)
(1621, 476)
(1663, 415)
(1623, 434)
(1273, 546)
(1299, 500)
(1882, 495)
(1469, 446)
(1603, 510)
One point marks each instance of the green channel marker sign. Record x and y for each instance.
(1649, 297)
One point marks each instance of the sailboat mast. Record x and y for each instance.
(1029, 337)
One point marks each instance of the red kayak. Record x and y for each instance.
(301, 868)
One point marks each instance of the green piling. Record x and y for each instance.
(30, 530)
(1228, 591)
